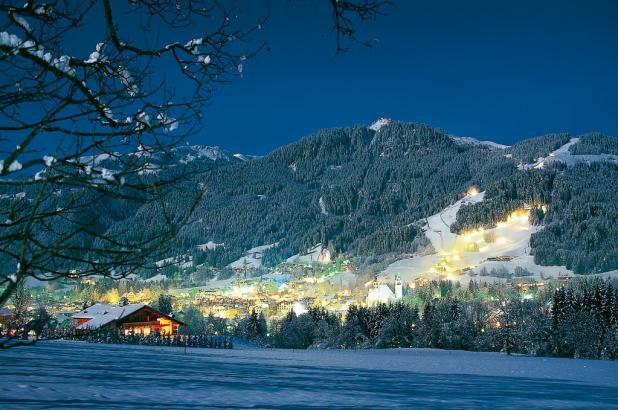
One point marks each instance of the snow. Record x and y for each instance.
(64, 374)
(101, 314)
(245, 157)
(15, 166)
(95, 55)
(174, 260)
(511, 240)
(107, 174)
(41, 9)
(379, 123)
(210, 245)
(159, 277)
(91, 160)
(323, 210)
(563, 154)
(474, 141)
(253, 257)
(212, 153)
(382, 293)
(317, 254)
(49, 160)
(10, 40)
(22, 22)
(148, 169)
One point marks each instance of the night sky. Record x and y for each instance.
(493, 70)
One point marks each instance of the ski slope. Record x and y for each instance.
(252, 258)
(461, 257)
(563, 154)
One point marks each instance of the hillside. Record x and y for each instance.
(365, 191)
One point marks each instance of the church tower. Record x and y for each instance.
(398, 287)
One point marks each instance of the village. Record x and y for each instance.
(129, 306)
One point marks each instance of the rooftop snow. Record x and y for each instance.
(101, 314)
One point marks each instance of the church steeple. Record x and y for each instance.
(398, 287)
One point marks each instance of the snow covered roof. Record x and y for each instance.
(5, 312)
(381, 293)
(101, 314)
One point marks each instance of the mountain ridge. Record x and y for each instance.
(365, 191)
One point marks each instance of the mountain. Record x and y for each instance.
(365, 191)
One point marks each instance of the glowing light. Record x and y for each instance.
(472, 191)
(299, 308)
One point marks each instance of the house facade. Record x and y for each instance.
(131, 319)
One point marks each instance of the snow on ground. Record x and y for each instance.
(563, 154)
(379, 123)
(73, 375)
(210, 245)
(323, 210)
(159, 277)
(175, 260)
(252, 257)
(244, 157)
(316, 254)
(474, 141)
(457, 257)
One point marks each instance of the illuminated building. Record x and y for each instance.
(5, 317)
(129, 319)
(382, 293)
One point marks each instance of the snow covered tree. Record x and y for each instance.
(84, 128)
(80, 126)
(196, 325)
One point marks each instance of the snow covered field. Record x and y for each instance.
(77, 375)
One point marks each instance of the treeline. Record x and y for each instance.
(529, 150)
(595, 144)
(579, 320)
(580, 226)
(532, 188)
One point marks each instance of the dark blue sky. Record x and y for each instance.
(493, 70)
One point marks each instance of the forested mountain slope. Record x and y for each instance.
(365, 191)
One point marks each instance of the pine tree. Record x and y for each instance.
(609, 305)
(558, 308)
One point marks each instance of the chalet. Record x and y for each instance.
(5, 317)
(128, 319)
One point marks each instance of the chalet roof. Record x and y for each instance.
(102, 314)
(5, 312)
